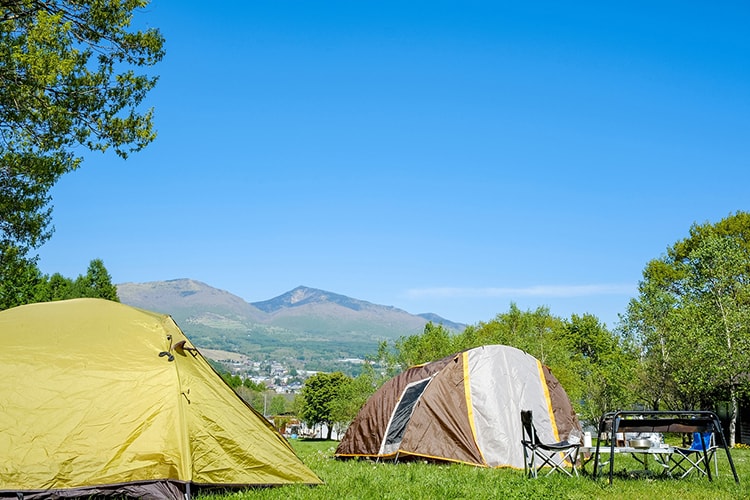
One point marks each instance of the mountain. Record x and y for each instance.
(186, 296)
(305, 323)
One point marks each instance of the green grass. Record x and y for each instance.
(364, 480)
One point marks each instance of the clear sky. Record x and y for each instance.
(437, 156)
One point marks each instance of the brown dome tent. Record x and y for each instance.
(463, 408)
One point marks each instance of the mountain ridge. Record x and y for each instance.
(302, 295)
(304, 322)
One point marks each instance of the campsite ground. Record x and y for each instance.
(364, 480)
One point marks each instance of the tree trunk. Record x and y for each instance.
(330, 430)
(732, 418)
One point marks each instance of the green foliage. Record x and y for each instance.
(96, 283)
(67, 80)
(595, 366)
(234, 381)
(387, 359)
(255, 394)
(27, 285)
(297, 405)
(257, 399)
(604, 366)
(254, 386)
(435, 342)
(19, 278)
(319, 394)
(537, 332)
(57, 287)
(692, 317)
(353, 394)
(278, 405)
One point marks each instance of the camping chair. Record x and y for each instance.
(697, 457)
(548, 454)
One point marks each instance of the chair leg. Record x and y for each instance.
(529, 462)
(575, 462)
(555, 466)
(557, 461)
(716, 463)
(688, 462)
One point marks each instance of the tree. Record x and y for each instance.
(67, 82)
(254, 386)
(594, 365)
(319, 393)
(352, 395)
(96, 283)
(19, 277)
(435, 342)
(277, 405)
(537, 332)
(387, 359)
(693, 315)
(57, 288)
(233, 381)
(648, 322)
(604, 365)
(717, 291)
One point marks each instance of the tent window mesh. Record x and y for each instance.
(403, 412)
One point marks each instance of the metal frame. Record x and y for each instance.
(662, 421)
(547, 452)
(687, 460)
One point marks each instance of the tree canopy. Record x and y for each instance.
(594, 364)
(692, 318)
(67, 83)
(684, 342)
(32, 286)
(352, 394)
(319, 396)
(601, 367)
(96, 283)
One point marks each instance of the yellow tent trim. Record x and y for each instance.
(455, 461)
(469, 406)
(548, 399)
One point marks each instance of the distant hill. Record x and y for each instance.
(305, 323)
(182, 297)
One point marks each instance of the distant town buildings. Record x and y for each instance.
(276, 375)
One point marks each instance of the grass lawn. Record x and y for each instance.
(365, 479)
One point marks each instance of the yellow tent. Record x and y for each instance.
(100, 398)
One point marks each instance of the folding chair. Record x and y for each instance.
(555, 455)
(697, 457)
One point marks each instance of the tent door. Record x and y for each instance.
(400, 417)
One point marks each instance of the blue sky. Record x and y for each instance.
(446, 157)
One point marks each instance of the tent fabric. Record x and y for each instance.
(97, 398)
(440, 426)
(374, 421)
(469, 411)
(394, 434)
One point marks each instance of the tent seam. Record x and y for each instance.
(548, 399)
(469, 404)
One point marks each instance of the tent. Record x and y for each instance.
(98, 398)
(463, 408)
